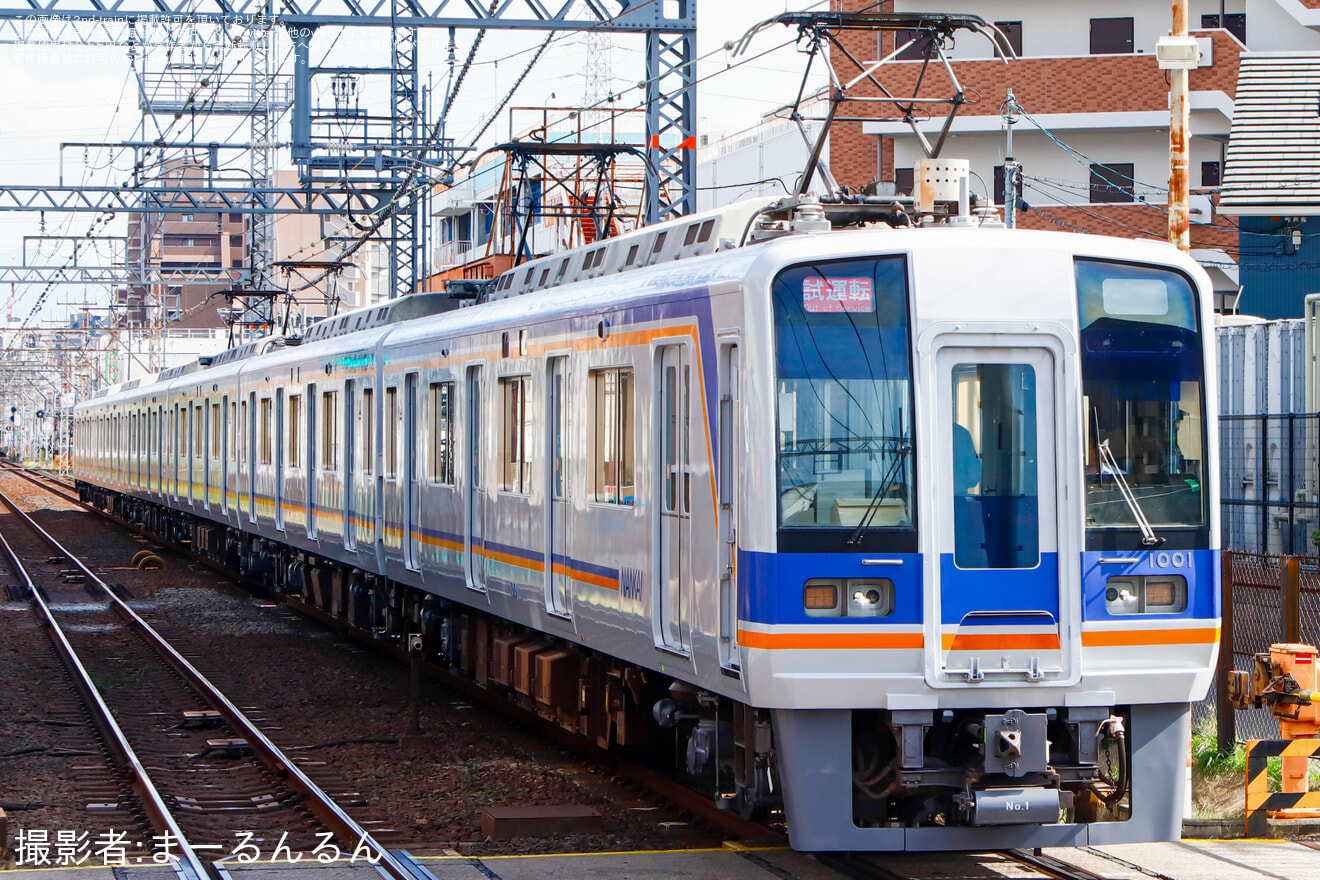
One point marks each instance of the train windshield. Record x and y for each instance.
(844, 404)
(1142, 372)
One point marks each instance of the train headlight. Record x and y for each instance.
(1146, 594)
(848, 597)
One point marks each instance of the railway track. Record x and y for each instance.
(699, 806)
(200, 770)
(1019, 863)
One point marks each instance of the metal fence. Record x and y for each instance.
(1270, 483)
(1267, 599)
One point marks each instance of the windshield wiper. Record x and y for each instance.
(1148, 536)
(900, 455)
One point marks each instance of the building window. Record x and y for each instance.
(613, 472)
(1012, 31)
(190, 242)
(442, 433)
(904, 180)
(295, 430)
(1211, 173)
(330, 430)
(187, 218)
(918, 50)
(1111, 182)
(516, 435)
(235, 241)
(264, 425)
(235, 218)
(1234, 23)
(391, 432)
(1111, 36)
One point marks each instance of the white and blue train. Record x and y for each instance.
(908, 532)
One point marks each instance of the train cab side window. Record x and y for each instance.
(267, 438)
(515, 435)
(294, 447)
(613, 481)
(391, 433)
(368, 432)
(330, 430)
(442, 433)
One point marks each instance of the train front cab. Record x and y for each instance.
(998, 612)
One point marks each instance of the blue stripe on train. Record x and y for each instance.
(771, 585)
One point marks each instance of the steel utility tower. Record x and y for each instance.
(669, 29)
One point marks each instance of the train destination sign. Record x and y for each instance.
(837, 295)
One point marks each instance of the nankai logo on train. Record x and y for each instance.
(630, 583)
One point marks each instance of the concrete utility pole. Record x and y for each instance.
(1178, 54)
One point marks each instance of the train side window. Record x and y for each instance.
(706, 228)
(330, 430)
(216, 429)
(659, 242)
(691, 236)
(368, 432)
(515, 434)
(612, 390)
(242, 430)
(391, 433)
(442, 433)
(294, 446)
(233, 432)
(265, 430)
(632, 256)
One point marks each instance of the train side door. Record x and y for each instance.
(411, 427)
(279, 458)
(350, 462)
(559, 595)
(730, 463)
(310, 451)
(224, 454)
(673, 381)
(473, 544)
(1000, 614)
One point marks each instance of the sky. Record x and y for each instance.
(57, 95)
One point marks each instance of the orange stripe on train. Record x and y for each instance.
(1001, 641)
(1122, 638)
(830, 641)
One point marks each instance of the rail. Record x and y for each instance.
(689, 800)
(320, 804)
(121, 751)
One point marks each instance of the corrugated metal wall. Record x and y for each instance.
(1262, 368)
(1268, 470)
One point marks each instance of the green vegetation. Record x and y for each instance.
(1209, 761)
(1206, 757)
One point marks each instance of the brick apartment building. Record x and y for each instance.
(1087, 73)
(184, 240)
